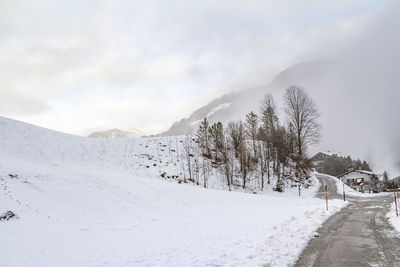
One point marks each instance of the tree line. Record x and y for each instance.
(261, 150)
(336, 165)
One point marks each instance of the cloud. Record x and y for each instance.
(13, 104)
(359, 96)
(146, 64)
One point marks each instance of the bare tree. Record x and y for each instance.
(302, 113)
(235, 132)
(270, 122)
(187, 147)
(226, 158)
(264, 156)
(205, 169)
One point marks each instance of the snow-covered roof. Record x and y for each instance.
(360, 171)
(329, 153)
(367, 172)
(395, 179)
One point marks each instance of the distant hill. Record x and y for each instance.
(116, 133)
(236, 105)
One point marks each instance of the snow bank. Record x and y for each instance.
(286, 241)
(393, 219)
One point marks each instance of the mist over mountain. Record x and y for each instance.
(116, 133)
(349, 98)
(355, 87)
(237, 104)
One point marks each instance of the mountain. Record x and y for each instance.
(235, 105)
(116, 133)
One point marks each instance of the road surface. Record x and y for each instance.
(358, 235)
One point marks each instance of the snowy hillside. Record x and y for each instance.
(95, 202)
(117, 133)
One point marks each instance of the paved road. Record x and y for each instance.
(358, 235)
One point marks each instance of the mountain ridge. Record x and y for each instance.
(238, 103)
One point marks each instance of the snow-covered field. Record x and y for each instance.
(85, 202)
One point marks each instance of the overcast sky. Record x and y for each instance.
(78, 66)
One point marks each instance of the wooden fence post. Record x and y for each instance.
(326, 196)
(344, 194)
(395, 201)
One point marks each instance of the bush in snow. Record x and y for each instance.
(7, 215)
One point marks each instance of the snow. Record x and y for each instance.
(218, 108)
(117, 133)
(90, 202)
(212, 112)
(350, 191)
(359, 171)
(328, 153)
(366, 172)
(393, 218)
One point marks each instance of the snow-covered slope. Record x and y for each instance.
(21, 143)
(117, 133)
(93, 202)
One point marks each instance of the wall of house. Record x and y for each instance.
(355, 176)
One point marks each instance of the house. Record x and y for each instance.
(396, 181)
(321, 156)
(359, 180)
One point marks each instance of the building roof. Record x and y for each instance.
(397, 179)
(359, 171)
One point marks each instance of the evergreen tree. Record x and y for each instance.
(252, 129)
(385, 177)
(203, 137)
(365, 166)
(216, 137)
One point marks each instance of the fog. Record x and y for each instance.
(77, 66)
(359, 98)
